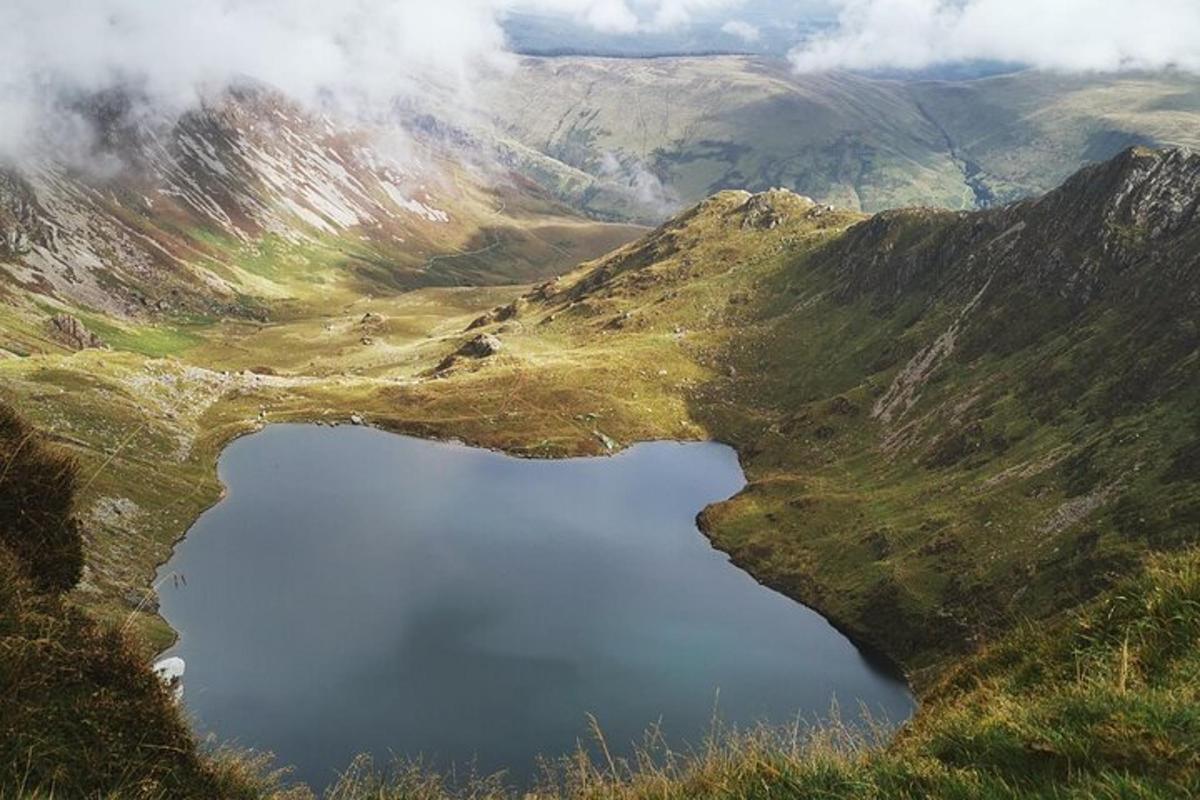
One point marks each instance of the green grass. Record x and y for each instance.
(155, 341)
(704, 124)
(1020, 534)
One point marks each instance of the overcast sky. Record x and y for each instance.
(369, 51)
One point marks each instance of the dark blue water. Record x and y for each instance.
(359, 591)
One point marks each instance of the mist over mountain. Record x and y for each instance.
(359, 61)
(761, 27)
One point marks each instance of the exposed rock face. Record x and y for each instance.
(482, 346)
(499, 314)
(761, 213)
(1158, 191)
(1074, 243)
(246, 168)
(246, 165)
(73, 333)
(21, 223)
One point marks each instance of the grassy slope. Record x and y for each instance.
(705, 124)
(989, 501)
(1029, 132)
(938, 445)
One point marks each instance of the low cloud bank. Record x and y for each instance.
(352, 54)
(742, 30)
(1062, 35)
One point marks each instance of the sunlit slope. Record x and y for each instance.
(699, 125)
(251, 200)
(970, 439)
(1028, 132)
(950, 421)
(704, 124)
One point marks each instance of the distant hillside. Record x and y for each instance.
(679, 129)
(250, 200)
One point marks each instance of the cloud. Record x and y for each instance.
(609, 16)
(743, 30)
(625, 16)
(642, 185)
(356, 53)
(669, 14)
(1065, 35)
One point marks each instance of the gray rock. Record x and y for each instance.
(761, 213)
(482, 346)
(72, 332)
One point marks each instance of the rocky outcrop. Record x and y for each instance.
(482, 346)
(499, 314)
(1075, 243)
(245, 171)
(22, 225)
(73, 333)
(762, 212)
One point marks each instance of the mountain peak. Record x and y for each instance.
(1155, 192)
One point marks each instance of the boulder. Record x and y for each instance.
(760, 213)
(73, 333)
(482, 346)
(498, 314)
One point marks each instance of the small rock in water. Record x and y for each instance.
(355, 419)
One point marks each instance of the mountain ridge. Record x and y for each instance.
(983, 348)
(969, 440)
(181, 213)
